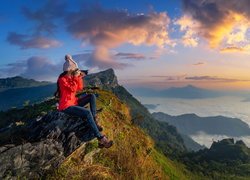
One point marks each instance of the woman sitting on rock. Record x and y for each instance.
(69, 83)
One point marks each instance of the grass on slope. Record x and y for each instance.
(132, 156)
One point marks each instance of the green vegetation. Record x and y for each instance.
(26, 113)
(224, 160)
(166, 137)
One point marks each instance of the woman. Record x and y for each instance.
(69, 83)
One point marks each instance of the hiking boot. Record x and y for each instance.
(104, 142)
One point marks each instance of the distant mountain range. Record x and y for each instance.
(190, 124)
(19, 82)
(17, 97)
(17, 91)
(187, 92)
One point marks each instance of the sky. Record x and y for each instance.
(149, 43)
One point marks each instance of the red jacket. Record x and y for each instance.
(68, 86)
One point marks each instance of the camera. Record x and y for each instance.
(80, 71)
(85, 71)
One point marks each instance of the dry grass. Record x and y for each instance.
(131, 156)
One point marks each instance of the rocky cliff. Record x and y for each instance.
(36, 146)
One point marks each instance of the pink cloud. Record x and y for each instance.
(222, 23)
(105, 29)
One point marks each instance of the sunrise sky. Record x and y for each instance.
(149, 43)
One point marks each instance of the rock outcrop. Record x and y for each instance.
(41, 144)
(105, 80)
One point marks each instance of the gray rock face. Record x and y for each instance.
(106, 80)
(42, 146)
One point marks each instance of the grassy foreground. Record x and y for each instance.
(132, 156)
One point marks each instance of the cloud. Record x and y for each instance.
(44, 17)
(99, 58)
(27, 42)
(171, 78)
(136, 56)
(223, 23)
(234, 49)
(199, 64)
(13, 69)
(106, 29)
(44, 27)
(36, 67)
(111, 28)
(213, 78)
(188, 26)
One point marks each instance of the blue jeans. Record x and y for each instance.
(85, 113)
(88, 98)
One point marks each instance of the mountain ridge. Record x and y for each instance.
(19, 82)
(191, 124)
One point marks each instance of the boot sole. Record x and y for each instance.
(103, 146)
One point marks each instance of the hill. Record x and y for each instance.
(38, 142)
(191, 124)
(225, 159)
(19, 82)
(18, 91)
(17, 97)
(166, 137)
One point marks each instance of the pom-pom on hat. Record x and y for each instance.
(70, 64)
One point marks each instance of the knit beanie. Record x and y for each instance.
(69, 64)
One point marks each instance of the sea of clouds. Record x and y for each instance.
(233, 107)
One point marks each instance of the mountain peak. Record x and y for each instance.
(106, 80)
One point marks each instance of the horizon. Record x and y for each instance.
(148, 44)
(146, 87)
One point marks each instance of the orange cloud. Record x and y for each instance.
(188, 26)
(110, 28)
(223, 23)
(231, 30)
(232, 49)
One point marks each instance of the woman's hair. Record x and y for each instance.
(57, 93)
